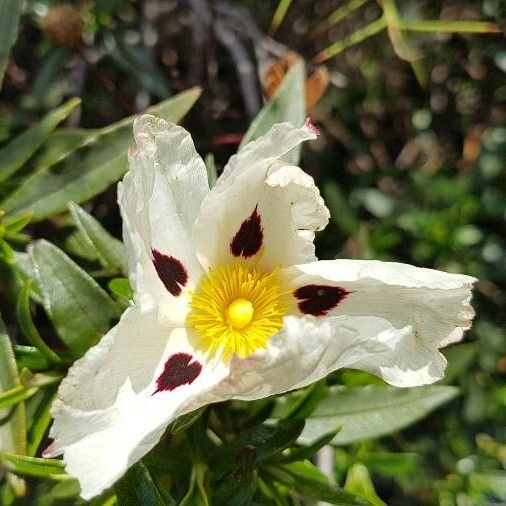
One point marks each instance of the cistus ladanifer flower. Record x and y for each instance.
(230, 302)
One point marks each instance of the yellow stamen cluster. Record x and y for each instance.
(237, 307)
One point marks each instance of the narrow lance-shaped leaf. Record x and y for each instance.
(10, 10)
(28, 327)
(12, 420)
(306, 479)
(137, 487)
(51, 469)
(17, 152)
(80, 310)
(109, 250)
(99, 161)
(369, 412)
(288, 104)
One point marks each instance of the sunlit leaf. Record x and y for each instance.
(369, 412)
(80, 310)
(17, 152)
(110, 251)
(288, 104)
(99, 161)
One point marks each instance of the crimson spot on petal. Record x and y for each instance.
(318, 300)
(171, 272)
(179, 370)
(248, 240)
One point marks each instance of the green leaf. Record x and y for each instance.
(109, 250)
(60, 144)
(306, 479)
(369, 412)
(288, 104)
(185, 421)
(307, 402)
(12, 420)
(121, 288)
(236, 489)
(31, 358)
(258, 444)
(18, 152)
(51, 469)
(196, 495)
(40, 425)
(137, 487)
(78, 307)
(99, 161)
(391, 464)
(307, 452)
(359, 482)
(15, 396)
(14, 224)
(460, 358)
(10, 10)
(27, 326)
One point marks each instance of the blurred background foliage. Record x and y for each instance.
(410, 97)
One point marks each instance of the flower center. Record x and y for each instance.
(238, 307)
(240, 313)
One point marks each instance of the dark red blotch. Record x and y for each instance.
(179, 370)
(318, 300)
(171, 272)
(248, 240)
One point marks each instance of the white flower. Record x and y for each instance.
(231, 302)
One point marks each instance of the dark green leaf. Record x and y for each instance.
(137, 487)
(185, 421)
(99, 161)
(19, 151)
(40, 425)
(236, 489)
(307, 452)
(109, 250)
(12, 420)
(306, 479)
(10, 10)
(27, 326)
(78, 307)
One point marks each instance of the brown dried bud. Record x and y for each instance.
(276, 72)
(316, 84)
(62, 25)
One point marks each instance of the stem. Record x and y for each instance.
(449, 26)
(353, 39)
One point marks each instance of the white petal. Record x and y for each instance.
(433, 305)
(308, 349)
(160, 198)
(286, 201)
(110, 411)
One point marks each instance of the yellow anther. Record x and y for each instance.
(240, 313)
